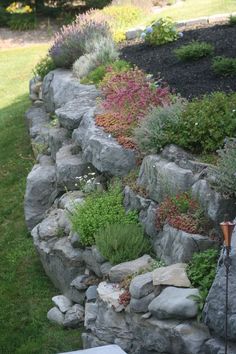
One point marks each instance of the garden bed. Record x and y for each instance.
(191, 79)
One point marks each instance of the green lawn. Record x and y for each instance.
(197, 8)
(25, 291)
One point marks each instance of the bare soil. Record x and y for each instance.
(190, 79)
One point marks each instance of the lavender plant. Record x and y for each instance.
(71, 41)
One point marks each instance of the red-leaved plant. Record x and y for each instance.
(183, 213)
(129, 95)
(124, 298)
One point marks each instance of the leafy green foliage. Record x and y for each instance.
(44, 66)
(161, 32)
(224, 66)
(22, 22)
(232, 20)
(194, 51)
(122, 242)
(97, 4)
(156, 129)
(99, 210)
(201, 272)
(225, 171)
(98, 74)
(4, 17)
(206, 122)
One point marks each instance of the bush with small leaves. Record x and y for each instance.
(206, 122)
(161, 32)
(122, 242)
(98, 210)
(44, 66)
(194, 51)
(224, 66)
(224, 174)
(156, 129)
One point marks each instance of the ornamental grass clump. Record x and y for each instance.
(157, 129)
(72, 41)
(194, 51)
(122, 242)
(99, 210)
(224, 174)
(184, 213)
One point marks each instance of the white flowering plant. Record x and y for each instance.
(161, 32)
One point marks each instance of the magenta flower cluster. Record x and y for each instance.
(130, 94)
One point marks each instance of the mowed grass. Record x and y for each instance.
(196, 8)
(25, 291)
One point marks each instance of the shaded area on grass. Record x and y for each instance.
(25, 291)
(188, 78)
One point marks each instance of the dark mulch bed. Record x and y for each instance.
(192, 79)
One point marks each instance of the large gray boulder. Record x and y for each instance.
(40, 192)
(147, 218)
(120, 271)
(214, 204)
(174, 303)
(101, 150)
(60, 87)
(69, 167)
(71, 114)
(57, 136)
(141, 305)
(133, 201)
(141, 285)
(160, 177)
(177, 246)
(217, 346)
(214, 310)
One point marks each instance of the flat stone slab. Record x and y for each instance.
(174, 303)
(120, 271)
(107, 349)
(62, 302)
(110, 294)
(174, 275)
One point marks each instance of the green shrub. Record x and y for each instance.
(224, 66)
(194, 51)
(98, 74)
(161, 32)
(156, 130)
(202, 269)
(22, 22)
(44, 66)
(225, 172)
(4, 17)
(121, 243)
(98, 210)
(232, 20)
(206, 122)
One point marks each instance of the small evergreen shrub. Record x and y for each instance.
(44, 66)
(224, 66)
(99, 210)
(202, 270)
(225, 172)
(232, 20)
(156, 129)
(161, 32)
(206, 122)
(122, 242)
(194, 51)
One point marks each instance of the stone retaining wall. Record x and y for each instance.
(160, 317)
